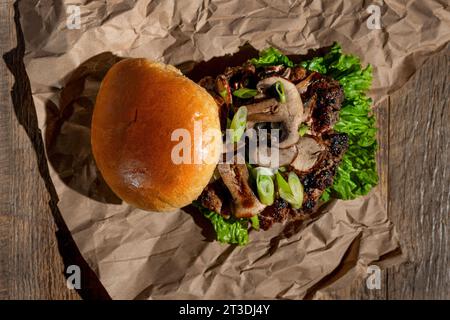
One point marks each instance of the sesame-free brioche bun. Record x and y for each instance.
(139, 105)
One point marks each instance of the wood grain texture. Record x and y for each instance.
(414, 166)
(413, 158)
(30, 264)
(419, 182)
(36, 246)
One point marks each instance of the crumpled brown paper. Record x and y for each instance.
(144, 255)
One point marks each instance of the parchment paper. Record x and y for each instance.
(142, 255)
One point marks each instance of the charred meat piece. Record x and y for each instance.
(241, 76)
(277, 212)
(314, 184)
(338, 143)
(297, 74)
(236, 178)
(321, 177)
(327, 95)
(209, 83)
(215, 88)
(215, 197)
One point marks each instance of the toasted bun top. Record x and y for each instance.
(141, 107)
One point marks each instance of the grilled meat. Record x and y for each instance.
(314, 181)
(321, 177)
(322, 98)
(278, 212)
(236, 178)
(214, 196)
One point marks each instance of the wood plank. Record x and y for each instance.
(413, 162)
(6, 40)
(419, 182)
(30, 264)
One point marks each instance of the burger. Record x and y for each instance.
(261, 143)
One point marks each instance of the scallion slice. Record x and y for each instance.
(296, 188)
(238, 124)
(279, 89)
(291, 191)
(245, 93)
(265, 188)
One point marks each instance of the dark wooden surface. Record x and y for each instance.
(30, 264)
(414, 160)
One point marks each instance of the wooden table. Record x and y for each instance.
(414, 160)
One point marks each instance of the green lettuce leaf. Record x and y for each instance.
(271, 57)
(315, 64)
(232, 230)
(245, 93)
(357, 174)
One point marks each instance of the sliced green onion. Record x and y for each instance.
(238, 124)
(296, 188)
(261, 170)
(245, 93)
(283, 186)
(292, 192)
(265, 171)
(265, 188)
(303, 129)
(283, 189)
(255, 222)
(279, 89)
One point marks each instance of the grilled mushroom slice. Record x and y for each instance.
(270, 110)
(302, 156)
(308, 154)
(302, 86)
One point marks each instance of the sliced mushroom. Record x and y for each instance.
(235, 177)
(303, 155)
(308, 109)
(302, 86)
(271, 110)
(263, 157)
(286, 73)
(308, 153)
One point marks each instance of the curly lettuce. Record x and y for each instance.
(231, 230)
(271, 57)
